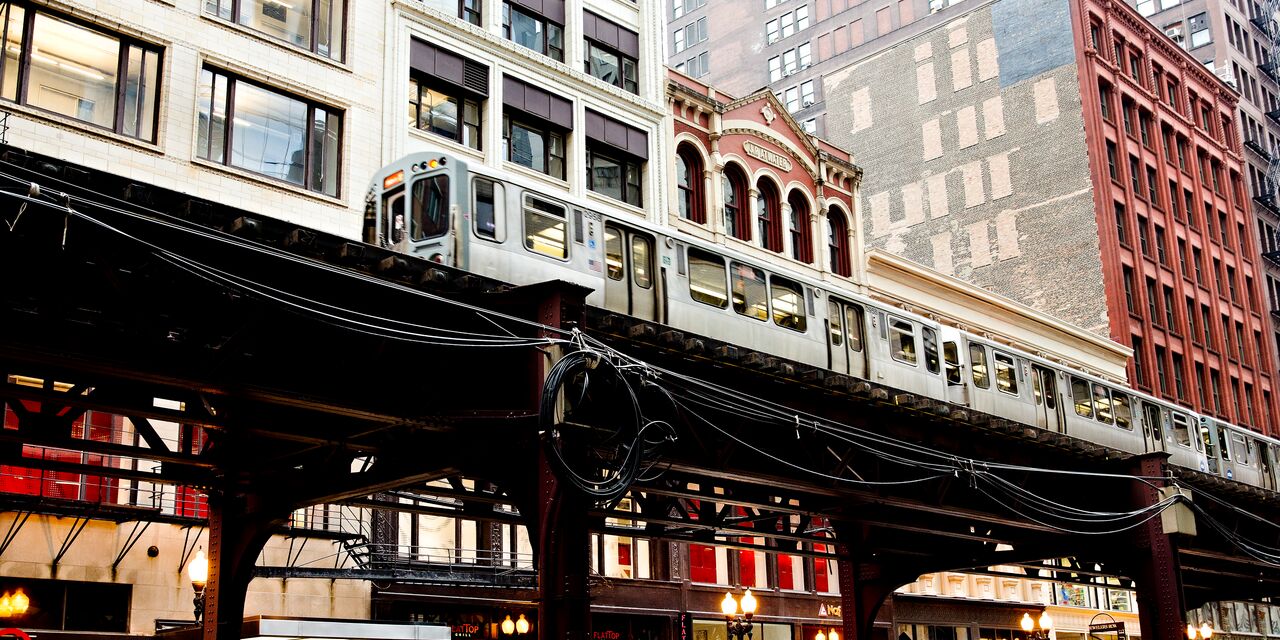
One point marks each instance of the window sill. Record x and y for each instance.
(267, 181)
(537, 175)
(343, 65)
(77, 126)
(629, 208)
(452, 145)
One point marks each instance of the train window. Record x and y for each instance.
(1083, 399)
(1102, 404)
(833, 323)
(1181, 430)
(545, 228)
(951, 356)
(853, 326)
(788, 304)
(749, 296)
(1241, 447)
(1006, 374)
(1207, 438)
(1124, 414)
(707, 278)
(613, 252)
(902, 340)
(930, 339)
(978, 360)
(1222, 442)
(393, 205)
(430, 207)
(486, 206)
(641, 262)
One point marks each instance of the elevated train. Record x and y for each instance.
(499, 224)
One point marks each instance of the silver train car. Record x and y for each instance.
(502, 225)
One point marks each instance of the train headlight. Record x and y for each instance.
(393, 179)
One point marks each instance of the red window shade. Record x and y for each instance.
(702, 563)
(786, 574)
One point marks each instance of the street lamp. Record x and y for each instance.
(198, 571)
(1040, 632)
(1203, 633)
(14, 605)
(737, 622)
(830, 635)
(520, 626)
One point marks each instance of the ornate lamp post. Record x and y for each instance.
(1203, 633)
(198, 571)
(737, 622)
(1037, 631)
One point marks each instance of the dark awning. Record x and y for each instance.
(448, 66)
(623, 137)
(611, 34)
(519, 95)
(552, 10)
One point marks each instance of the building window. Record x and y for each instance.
(810, 126)
(63, 605)
(446, 92)
(801, 242)
(689, 181)
(535, 124)
(1139, 375)
(533, 31)
(838, 242)
(1179, 386)
(1146, 7)
(1199, 27)
(1104, 99)
(99, 78)
(736, 212)
(681, 7)
(1151, 301)
(1112, 168)
(690, 35)
(1162, 253)
(609, 174)
(612, 66)
(1127, 275)
(314, 25)
(534, 146)
(769, 216)
(697, 66)
(775, 68)
(250, 126)
(1169, 318)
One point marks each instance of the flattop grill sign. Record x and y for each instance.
(1109, 627)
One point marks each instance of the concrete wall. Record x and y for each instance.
(972, 139)
(161, 588)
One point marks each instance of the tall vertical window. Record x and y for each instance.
(93, 76)
(534, 31)
(736, 211)
(689, 182)
(616, 155)
(535, 125)
(314, 25)
(610, 52)
(838, 242)
(801, 243)
(252, 127)
(769, 216)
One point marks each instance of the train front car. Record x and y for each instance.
(415, 206)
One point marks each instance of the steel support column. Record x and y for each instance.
(564, 545)
(238, 530)
(1155, 564)
(864, 587)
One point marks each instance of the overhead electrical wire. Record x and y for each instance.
(710, 396)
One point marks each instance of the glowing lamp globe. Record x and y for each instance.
(748, 603)
(198, 570)
(1027, 623)
(522, 625)
(20, 602)
(728, 606)
(508, 627)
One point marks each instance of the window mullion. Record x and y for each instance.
(308, 133)
(24, 60)
(228, 129)
(122, 81)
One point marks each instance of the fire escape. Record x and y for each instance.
(1267, 24)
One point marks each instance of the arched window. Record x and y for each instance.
(689, 181)
(769, 215)
(801, 240)
(736, 213)
(838, 241)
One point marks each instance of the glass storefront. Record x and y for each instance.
(715, 630)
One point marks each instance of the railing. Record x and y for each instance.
(1267, 201)
(1253, 146)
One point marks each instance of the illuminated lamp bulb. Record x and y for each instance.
(508, 627)
(820, 636)
(1206, 631)
(748, 603)
(1046, 622)
(20, 602)
(1027, 623)
(728, 606)
(833, 635)
(522, 625)
(6, 605)
(198, 570)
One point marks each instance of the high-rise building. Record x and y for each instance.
(1237, 41)
(1067, 154)
(787, 45)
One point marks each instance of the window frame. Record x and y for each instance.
(125, 44)
(896, 330)
(233, 80)
(710, 259)
(548, 133)
(793, 288)
(234, 9)
(525, 212)
(462, 100)
(1010, 364)
(555, 53)
(631, 84)
(979, 368)
(745, 307)
(627, 164)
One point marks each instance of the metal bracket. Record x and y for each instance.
(77, 526)
(132, 539)
(19, 519)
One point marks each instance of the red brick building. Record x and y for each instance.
(748, 176)
(1180, 257)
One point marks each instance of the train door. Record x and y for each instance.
(953, 367)
(1270, 471)
(846, 334)
(1045, 389)
(1207, 437)
(1153, 420)
(629, 285)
